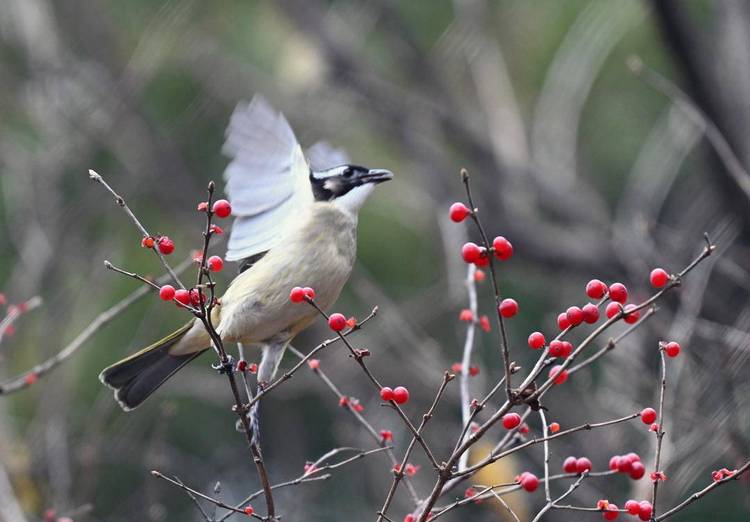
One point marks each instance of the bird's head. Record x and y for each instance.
(346, 185)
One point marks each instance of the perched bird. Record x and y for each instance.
(295, 225)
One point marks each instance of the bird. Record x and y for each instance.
(295, 225)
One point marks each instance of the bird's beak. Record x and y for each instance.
(376, 176)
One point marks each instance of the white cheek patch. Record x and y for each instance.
(353, 200)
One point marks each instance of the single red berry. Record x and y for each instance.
(556, 348)
(570, 466)
(216, 229)
(337, 322)
(624, 464)
(215, 263)
(297, 295)
(634, 457)
(411, 469)
(558, 375)
(50, 515)
(633, 507)
(471, 252)
(562, 321)
(241, 365)
(400, 395)
(672, 349)
(314, 364)
(511, 420)
(508, 308)
(166, 245)
(646, 510)
(309, 292)
(410, 518)
(458, 212)
(574, 315)
(147, 242)
(484, 259)
(484, 323)
(503, 248)
(654, 427)
(618, 292)
(590, 313)
(613, 309)
(658, 277)
(583, 464)
(386, 435)
(249, 510)
(457, 367)
(358, 407)
(253, 368)
(537, 340)
(567, 349)
(479, 276)
(631, 314)
(386, 393)
(611, 512)
(648, 415)
(596, 289)
(470, 492)
(614, 462)
(466, 315)
(182, 296)
(637, 470)
(351, 322)
(222, 208)
(473, 371)
(529, 482)
(30, 378)
(197, 297)
(343, 401)
(167, 292)
(554, 427)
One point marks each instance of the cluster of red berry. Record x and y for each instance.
(399, 394)
(629, 464)
(576, 465)
(457, 368)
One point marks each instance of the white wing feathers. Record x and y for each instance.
(267, 180)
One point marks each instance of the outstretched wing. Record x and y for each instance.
(323, 156)
(267, 180)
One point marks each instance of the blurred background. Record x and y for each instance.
(587, 169)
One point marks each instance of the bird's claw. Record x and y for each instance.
(224, 367)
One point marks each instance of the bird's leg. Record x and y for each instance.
(224, 367)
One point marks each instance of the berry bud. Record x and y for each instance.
(222, 208)
(536, 340)
(386, 393)
(658, 277)
(400, 395)
(216, 229)
(511, 420)
(508, 308)
(618, 292)
(458, 212)
(215, 263)
(203, 206)
(337, 322)
(166, 245)
(648, 415)
(503, 248)
(167, 292)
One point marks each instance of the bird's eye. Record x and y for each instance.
(348, 173)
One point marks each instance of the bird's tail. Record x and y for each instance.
(136, 377)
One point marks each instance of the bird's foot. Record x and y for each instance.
(224, 366)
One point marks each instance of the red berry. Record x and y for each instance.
(618, 292)
(167, 292)
(556, 348)
(633, 507)
(484, 323)
(637, 470)
(646, 510)
(222, 208)
(386, 393)
(471, 252)
(574, 315)
(197, 297)
(29, 378)
(654, 427)
(648, 415)
(613, 309)
(559, 376)
(309, 292)
(503, 248)
(570, 465)
(337, 322)
(658, 277)
(529, 482)
(614, 462)
(484, 259)
(508, 308)
(624, 464)
(215, 263)
(634, 457)
(479, 276)
(147, 242)
(473, 371)
(554, 427)
(182, 296)
(511, 420)
(611, 512)
(631, 314)
(297, 295)
(386, 435)
(458, 212)
(241, 365)
(400, 395)
(583, 464)
(314, 364)
(672, 349)
(590, 313)
(562, 321)
(410, 518)
(466, 315)
(343, 401)
(457, 367)
(249, 510)
(166, 245)
(567, 349)
(536, 340)
(253, 368)
(524, 428)
(596, 289)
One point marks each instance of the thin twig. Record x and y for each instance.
(466, 413)
(660, 430)
(17, 311)
(549, 505)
